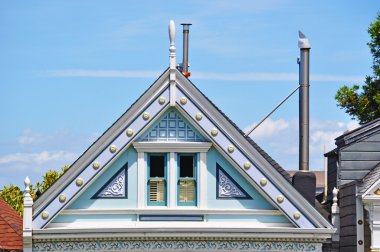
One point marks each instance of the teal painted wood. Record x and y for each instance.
(94, 218)
(247, 218)
(172, 127)
(258, 201)
(194, 178)
(84, 201)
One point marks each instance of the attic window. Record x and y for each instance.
(187, 184)
(157, 180)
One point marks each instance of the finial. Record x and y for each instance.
(303, 41)
(172, 45)
(335, 196)
(27, 184)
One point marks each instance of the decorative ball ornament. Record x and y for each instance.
(96, 165)
(129, 132)
(183, 100)
(45, 215)
(198, 116)
(113, 148)
(230, 148)
(145, 116)
(280, 198)
(247, 165)
(62, 198)
(377, 192)
(79, 182)
(263, 182)
(297, 215)
(161, 100)
(214, 132)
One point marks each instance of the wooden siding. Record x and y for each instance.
(347, 204)
(331, 174)
(358, 158)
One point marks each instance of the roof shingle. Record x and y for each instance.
(10, 228)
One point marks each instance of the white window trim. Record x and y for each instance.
(172, 148)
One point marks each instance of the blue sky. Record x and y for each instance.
(69, 69)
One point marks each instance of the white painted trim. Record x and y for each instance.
(172, 181)
(183, 147)
(376, 184)
(359, 228)
(202, 178)
(169, 225)
(141, 180)
(181, 232)
(165, 210)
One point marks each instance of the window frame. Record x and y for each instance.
(195, 179)
(166, 165)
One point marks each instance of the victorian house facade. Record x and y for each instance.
(173, 173)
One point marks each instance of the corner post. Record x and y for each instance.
(27, 217)
(172, 59)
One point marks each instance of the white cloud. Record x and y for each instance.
(37, 158)
(268, 128)
(244, 76)
(280, 139)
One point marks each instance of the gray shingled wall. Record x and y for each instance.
(358, 158)
(347, 204)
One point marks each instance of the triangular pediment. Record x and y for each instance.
(202, 121)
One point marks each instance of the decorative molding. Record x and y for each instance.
(115, 187)
(175, 245)
(183, 147)
(171, 127)
(227, 187)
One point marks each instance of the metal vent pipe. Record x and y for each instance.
(304, 45)
(185, 62)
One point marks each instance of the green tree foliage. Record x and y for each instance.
(14, 196)
(364, 103)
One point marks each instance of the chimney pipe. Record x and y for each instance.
(304, 180)
(304, 45)
(185, 62)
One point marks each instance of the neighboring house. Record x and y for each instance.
(354, 168)
(10, 228)
(173, 173)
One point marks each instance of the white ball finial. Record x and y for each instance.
(27, 184)
(171, 32)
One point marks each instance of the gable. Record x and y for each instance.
(255, 168)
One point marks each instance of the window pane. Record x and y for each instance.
(157, 166)
(186, 166)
